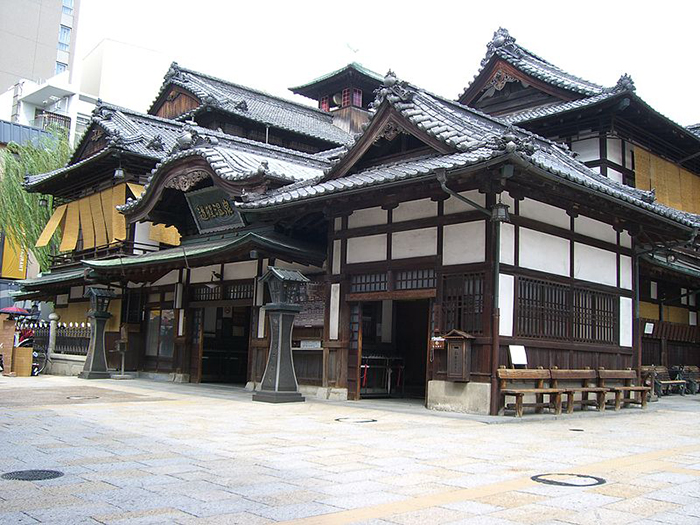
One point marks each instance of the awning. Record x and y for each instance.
(678, 265)
(226, 249)
(52, 278)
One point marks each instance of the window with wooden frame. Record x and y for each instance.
(324, 104)
(357, 98)
(547, 310)
(415, 279)
(345, 98)
(463, 302)
(368, 282)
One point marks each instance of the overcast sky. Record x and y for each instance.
(271, 45)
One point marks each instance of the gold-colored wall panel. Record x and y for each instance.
(72, 228)
(674, 186)
(118, 220)
(86, 224)
(648, 310)
(675, 314)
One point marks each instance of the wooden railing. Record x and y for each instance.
(73, 258)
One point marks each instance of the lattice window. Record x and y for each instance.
(239, 290)
(324, 104)
(463, 302)
(556, 311)
(206, 293)
(357, 98)
(415, 279)
(544, 309)
(345, 98)
(368, 282)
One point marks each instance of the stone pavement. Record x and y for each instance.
(142, 452)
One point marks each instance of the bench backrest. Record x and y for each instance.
(617, 374)
(573, 374)
(662, 373)
(520, 374)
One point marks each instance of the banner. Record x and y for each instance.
(14, 260)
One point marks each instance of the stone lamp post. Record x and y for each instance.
(96, 362)
(279, 383)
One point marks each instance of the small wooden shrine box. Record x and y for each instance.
(459, 352)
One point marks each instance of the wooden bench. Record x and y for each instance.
(623, 393)
(664, 385)
(586, 385)
(691, 375)
(538, 376)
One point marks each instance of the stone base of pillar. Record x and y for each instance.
(94, 375)
(278, 397)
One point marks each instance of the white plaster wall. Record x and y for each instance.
(240, 270)
(76, 292)
(506, 296)
(334, 316)
(544, 252)
(337, 223)
(625, 240)
(366, 249)
(540, 211)
(693, 318)
(654, 290)
(507, 243)
(625, 272)
(204, 273)
(587, 149)
(464, 243)
(453, 205)
(407, 211)
(367, 217)
(595, 265)
(626, 321)
(169, 278)
(414, 243)
(336, 257)
(615, 175)
(629, 149)
(595, 229)
(387, 320)
(142, 231)
(615, 150)
(62, 298)
(261, 322)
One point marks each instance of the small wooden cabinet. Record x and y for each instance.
(458, 345)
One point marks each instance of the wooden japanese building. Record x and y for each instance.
(435, 219)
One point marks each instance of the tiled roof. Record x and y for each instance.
(199, 251)
(694, 129)
(353, 65)
(232, 158)
(126, 130)
(624, 85)
(476, 137)
(48, 278)
(254, 105)
(503, 46)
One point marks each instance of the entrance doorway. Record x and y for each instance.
(388, 353)
(223, 339)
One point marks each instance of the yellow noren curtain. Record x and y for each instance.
(98, 220)
(136, 189)
(72, 228)
(51, 226)
(165, 234)
(106, 197)
(86, 224)
(118, 220)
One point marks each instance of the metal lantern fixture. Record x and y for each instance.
(96, 361)
(499, 212)
(99, 299)
(119, 171)
(285, 285)
(279, 382)
(43, 202)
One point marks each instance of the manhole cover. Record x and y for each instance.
(32, 475)
(83, 397)
(568, 480)
(355, 420)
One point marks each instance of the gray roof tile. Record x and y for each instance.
(259, 106)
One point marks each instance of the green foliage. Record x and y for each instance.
(21, 217)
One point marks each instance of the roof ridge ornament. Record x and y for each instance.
(174, 72)
(501, 40)
(625, 83)
(393, 89)
(511, 142)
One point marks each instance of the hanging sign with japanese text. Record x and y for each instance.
(213, 210)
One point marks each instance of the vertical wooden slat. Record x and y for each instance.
(86, 223)
(72, 227)
(106, 198)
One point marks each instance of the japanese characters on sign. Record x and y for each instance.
(213, 210)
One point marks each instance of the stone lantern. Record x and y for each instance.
(96, 362)
(279, 382)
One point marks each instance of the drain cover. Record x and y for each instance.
(355, 420)
(32, 475)
(568, 480)
(83, 397)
